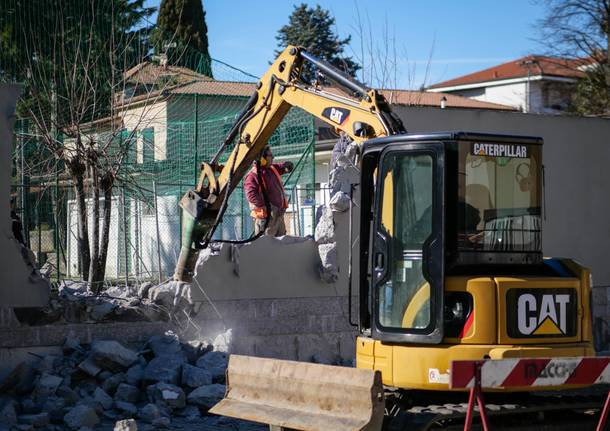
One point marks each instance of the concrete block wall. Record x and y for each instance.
(20, 282)
(304, 329)
(270, 294)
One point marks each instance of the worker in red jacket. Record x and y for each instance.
(271, 179)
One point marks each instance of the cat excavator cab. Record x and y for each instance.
(450, 262)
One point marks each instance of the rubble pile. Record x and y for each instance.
(343, 176)
(106, 385)
(74, 302)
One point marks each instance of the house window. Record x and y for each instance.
(148, 145)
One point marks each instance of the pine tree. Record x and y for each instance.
(312, 28)
(183, 22)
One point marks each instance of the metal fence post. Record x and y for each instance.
(158, 234)
(57, 224)
(125, 243)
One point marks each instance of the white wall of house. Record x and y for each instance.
(546, 95)
(513, 94)
(148, 116)
(112, 260)
(143, 233)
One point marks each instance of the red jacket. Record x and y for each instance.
(273, 186)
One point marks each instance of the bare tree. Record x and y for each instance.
(384, 60)
(580, 30)
(76, 99)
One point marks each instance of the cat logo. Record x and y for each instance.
(336, 115)
(542, 312)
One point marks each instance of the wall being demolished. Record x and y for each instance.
(287, 297)
(20, 282)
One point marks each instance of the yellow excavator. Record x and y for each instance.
(450, 262)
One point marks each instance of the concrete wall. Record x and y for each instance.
(269, 293)
(20, 283)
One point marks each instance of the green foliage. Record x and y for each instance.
(182, 22)
(61, 49)
(581, 29)
(312, 28)
(592, 95)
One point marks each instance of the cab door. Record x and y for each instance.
(407, 256)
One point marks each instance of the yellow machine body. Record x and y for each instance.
(485, 336)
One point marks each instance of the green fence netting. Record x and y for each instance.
(101, 81)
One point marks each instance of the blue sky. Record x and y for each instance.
(435, 40)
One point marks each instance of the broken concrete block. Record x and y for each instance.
(189, 411)
(207, 396)
(8, 414)
(164, 345)
(88, 366)
(20, 380)
(28, 406)
(149, 413)
(329, 271)
(164, 369)
(162, 422)
(103, 398)
(110, 384)
(71, 343)
(194, 349)
(325, 229)
(215, 363)
(173, 295)
(128, 393)
(144, 288)
(81, 416)
(49, 363)
(104, 375)
(126, 425)
(222, 342)
(102, 310)
(126, 408)
(168, 395)
(37, 420)
(135, 374)
(68, 395)
(342, 178)
(194, 376)
(46, 386)
(54, 407)
(86, 387)
(339, 202)
(112, 355)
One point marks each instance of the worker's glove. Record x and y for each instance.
(288, 166)
(260, 213)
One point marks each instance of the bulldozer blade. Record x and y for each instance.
(302, 396)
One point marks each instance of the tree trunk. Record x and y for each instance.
(94, 280)
(76, 171)
(107, 183)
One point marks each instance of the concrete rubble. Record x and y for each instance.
(73, 302)
(343, 177)
(56, 393)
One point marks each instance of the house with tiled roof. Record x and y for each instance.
(533, 84)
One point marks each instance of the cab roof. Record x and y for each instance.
(378, 143)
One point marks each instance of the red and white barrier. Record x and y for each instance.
(534, 372)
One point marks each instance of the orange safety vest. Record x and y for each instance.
(261, 212)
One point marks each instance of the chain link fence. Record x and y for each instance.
(145, 230)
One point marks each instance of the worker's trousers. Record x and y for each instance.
(276, 226)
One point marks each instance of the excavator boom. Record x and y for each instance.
(365, 116)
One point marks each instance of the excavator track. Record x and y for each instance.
(533, 411)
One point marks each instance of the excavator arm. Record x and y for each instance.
(367, 115)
